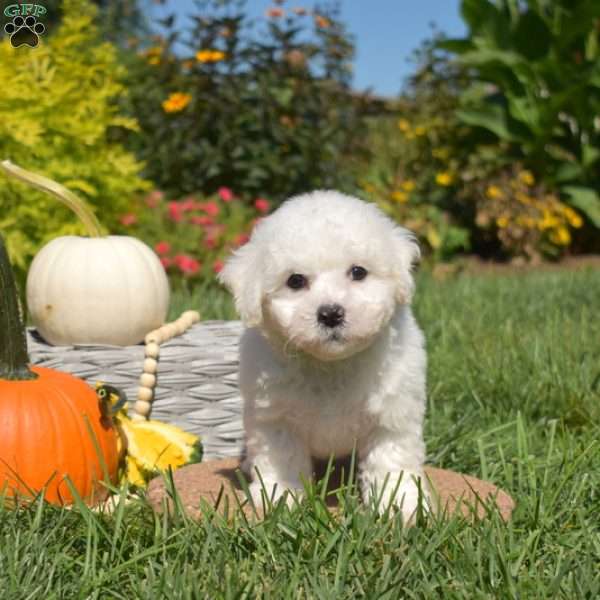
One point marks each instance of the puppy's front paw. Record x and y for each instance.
(270, 492)
(405, 492)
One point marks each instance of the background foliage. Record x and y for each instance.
(264, 107)
(532, 92)
(493, 146)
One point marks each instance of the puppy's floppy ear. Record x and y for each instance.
(242, 274)
(405, 255)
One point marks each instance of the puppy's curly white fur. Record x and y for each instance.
(332, 359)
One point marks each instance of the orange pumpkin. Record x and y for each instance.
(51, 425)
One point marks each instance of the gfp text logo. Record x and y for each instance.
(24, 29)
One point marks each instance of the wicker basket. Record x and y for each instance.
(197, 383)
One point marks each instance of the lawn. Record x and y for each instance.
(514, 397)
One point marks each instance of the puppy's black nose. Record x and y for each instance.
(330, 315)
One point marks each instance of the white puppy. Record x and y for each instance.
(332, 359)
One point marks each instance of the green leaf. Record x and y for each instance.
(457, 46)
(495, 118)
(532, 37)
(586, 200)
(486, 21)
(568, 171)
(590, 154)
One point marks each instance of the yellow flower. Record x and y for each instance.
(502, 221)
(176, 102)
(433, 237)
(526, 177)
(529, 222)
(399, 196)
(403, 125)
(523, 198)
(444, 178)
(368, 187)
(209, 56)
(408, 185)
(153, 55)
(493, 192)
(420, 130)
(574, 219)
(548, 221)
(560, 236)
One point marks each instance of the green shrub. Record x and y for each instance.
(458, 185)
(534, 87)
(56, 110)
(413, 169)
(264, 108)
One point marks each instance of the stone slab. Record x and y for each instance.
(218, 483)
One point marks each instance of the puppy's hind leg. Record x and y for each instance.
(277, 460)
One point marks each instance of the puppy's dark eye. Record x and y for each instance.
(297, 281)
(357, 273)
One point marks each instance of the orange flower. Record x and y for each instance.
(322, 22)
(275, 13)
(209, 56)
(176, 102)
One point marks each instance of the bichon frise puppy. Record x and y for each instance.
(332, 360)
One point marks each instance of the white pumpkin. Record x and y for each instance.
(99, 290)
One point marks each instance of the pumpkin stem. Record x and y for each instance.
(13, 342)
(77, 205)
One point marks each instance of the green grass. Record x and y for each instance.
(514, 397)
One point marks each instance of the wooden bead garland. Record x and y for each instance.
(143, 404)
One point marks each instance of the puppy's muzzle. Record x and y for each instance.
(331, 315)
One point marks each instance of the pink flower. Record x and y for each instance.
(175, 212)
(128, 219)
(218, 266)
(187, 265)
(225, 194)
(187, 204)
(201, 220)
(216, 230)
(211, 208)
(262, 205)
(213, 234)
(166, 262)
(241, 239)
(162, 248)
(153, 198)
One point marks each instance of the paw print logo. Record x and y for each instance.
(24, 31)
